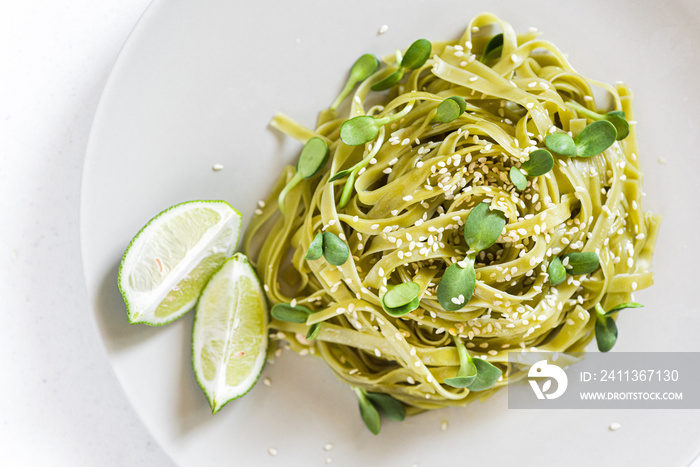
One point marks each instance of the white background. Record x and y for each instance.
(60, 403)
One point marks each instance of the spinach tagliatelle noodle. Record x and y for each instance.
(404, 221)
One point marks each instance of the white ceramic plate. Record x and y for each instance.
(196, 85)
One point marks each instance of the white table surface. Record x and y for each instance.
(60, 402)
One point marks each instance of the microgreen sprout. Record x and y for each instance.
(313, 331)
(415, 57)
(457, 285)
(573, 264)
(517, 178)
(556, 271)
(594, 139)
(616, 117)
(295, 314)
(449, 109)
(483, 226)
(474, 374)
(481, 230)
(313, 157)
(371, 403)
(330, 247)
(605, 327)
(539, 163)
(364, 128)
(352, 172)
(401, 299)
(493, 49)
(580, 263)
(369, 413)
(289, 313)
(467, 371)
(387, 405)
(362, 69)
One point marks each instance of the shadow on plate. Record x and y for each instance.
(110, 311)
(192, 408)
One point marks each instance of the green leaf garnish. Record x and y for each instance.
(467, 370)
(622, 128)
(483, 226)
(313, 331)
(401, 294)
(556, 271)
(605, 333)
(401, 309)
(331, 247)
(474, 374)
(449, 109)
(461, 102)
(623, 306)
(487, 375)
(390, 81)
(369, 413)
(390, 407)
(456, 286)
(313, 157)
(493, 49)
(335, 250)
(605, 326)
(341, 174)
(517, 178)
(359, 130)
(581, 263)
(289, 313)
(561, 143)
(362, 69)
(415, 57)
(616, 117)
(364, 128)
(539, 163)
(595, 138)
(315, 248)
(417, 54)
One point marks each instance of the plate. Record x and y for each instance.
(196, 85)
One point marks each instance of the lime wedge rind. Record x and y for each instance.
(220, 240)
(222, 322)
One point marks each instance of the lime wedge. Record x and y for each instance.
(229, 337)
(169, 261)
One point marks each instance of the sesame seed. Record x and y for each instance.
(272, 451)
(614, 426)
(374, 226)
(217, 167)
(382, 29)
(267, 382)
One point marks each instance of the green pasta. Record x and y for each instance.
(407, 195)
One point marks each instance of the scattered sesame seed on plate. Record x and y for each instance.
(272, 451)
(382, 29)
(217, 167)
(614, 426)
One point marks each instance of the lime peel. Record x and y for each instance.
(169, 261)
